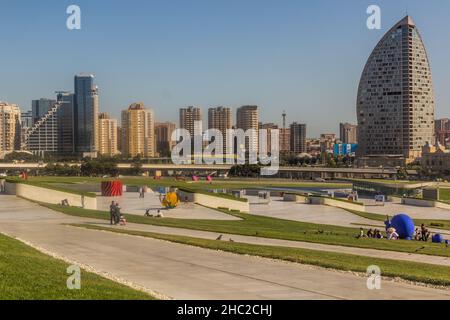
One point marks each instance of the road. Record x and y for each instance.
(183, 272)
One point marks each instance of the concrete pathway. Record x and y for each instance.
(132, 204)
(184, 272)
(305, 212)
(395, 207)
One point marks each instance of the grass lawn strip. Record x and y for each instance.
(31, 273)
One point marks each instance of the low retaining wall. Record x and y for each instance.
(425, 203)
(289, 197)
(49, 195)
(336, 203)
(418, 202)
(214, 202)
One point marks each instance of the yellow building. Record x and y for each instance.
(138, 131)
(10, 130)
(107, 135)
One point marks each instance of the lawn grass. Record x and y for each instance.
(430, 274)
(266, 227)
(444, 194)
(27, 274)
(431, 223)
(202, 185)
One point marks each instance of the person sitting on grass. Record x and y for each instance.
(392, 234)
(378, 234)
(361, 234)
(148, 213)
(425, 233)
(370, 234)
(417, 235)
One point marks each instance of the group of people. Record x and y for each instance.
(422, 234)
(374, 234)
(148, 213)
(116, 216)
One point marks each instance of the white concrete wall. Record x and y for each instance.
(425, 203)
(289, 197)
(50, 196)
(418, 202)
(215, 202)
(442, 205)
(336, 203)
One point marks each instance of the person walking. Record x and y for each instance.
(117, 213)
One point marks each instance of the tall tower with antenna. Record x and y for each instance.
(284, 119)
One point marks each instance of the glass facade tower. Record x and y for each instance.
(86, 114)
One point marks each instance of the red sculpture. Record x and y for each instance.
(112, 188)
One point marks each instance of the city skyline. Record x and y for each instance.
(231, 78)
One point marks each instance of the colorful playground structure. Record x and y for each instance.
(169, 200)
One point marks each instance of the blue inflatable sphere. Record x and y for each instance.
(438, 238)
(404, 226)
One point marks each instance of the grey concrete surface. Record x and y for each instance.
(319, 214)
(184, 272)
(395, 207)
(132, 204)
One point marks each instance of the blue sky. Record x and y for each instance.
(302, 56)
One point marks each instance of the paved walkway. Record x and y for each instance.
(184, 272)
(306, 212)
(132, 204)
(395, 207)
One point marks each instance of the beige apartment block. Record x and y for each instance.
(220, 118)
(247, 117)
(107, 135)
(10, 129)
(138, 131)
(190, 118)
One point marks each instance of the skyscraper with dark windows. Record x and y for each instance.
(66, 122)
(40, 107)
(395, 104)
(298, 138)
(86, 114)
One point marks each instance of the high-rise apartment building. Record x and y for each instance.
(285, 140)
(247, 117)
(190, 118)
(86, 114)
(163, 136)
(395, 104)
(269, 127)
(107, 135)
(138, 131)
(348, 133)
(53, 131)
(220, 118)
(43, 136)
(10, 128)
(40, 107)
(298, 138)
